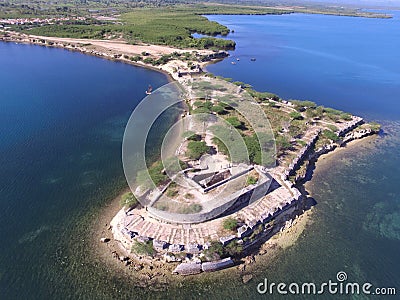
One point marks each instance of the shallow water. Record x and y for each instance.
(62, 118)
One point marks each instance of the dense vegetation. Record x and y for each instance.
(217, 250)
(196, 149)
(165, 26)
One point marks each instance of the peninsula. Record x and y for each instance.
(240, 157)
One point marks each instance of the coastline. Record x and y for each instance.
(160, 269)
(117, 50)
(158, 274)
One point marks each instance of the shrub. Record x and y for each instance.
(156, 173)
(215, 248)
(330, 135)
(301, 143)
(295, 131)
(173, 165)
(234, 121)
(230, 224)
(332, 127)
(296, 115)
(201, 110)
(149, 60)
(221, 146)
(196, 149)
(136, 58)
(171, 192)
(189, 196)
(251, 180)
(314, 113)
(282, 143)
(233, 248)
(253, 149)
(218, 109)
(267, 96)
(333, 117)
(346, 117)
(162, 206)
(194, 137)
(128, 200)
(332, 111)
(145, 248)
(375, 126)
(198, 103)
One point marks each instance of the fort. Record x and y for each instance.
(232, 173)
(185, 213)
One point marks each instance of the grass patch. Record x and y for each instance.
(128, 200)
(230, 224)
(251, 180)
(171, 193)
(145, 248)
(190, 209)
(196, 149)
(330, 135)
(332, 127)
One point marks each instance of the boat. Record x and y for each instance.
(149, 90)
(233, 63)
(253, 59)
(237, 59)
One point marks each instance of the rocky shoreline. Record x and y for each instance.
(161, 272)
(119, 50)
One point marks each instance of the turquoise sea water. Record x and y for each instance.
(62, 117)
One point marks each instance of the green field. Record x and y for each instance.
(167, 25)
(163, 23)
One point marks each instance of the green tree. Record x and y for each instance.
(196, 149)
(215, 250)
(296, 115)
